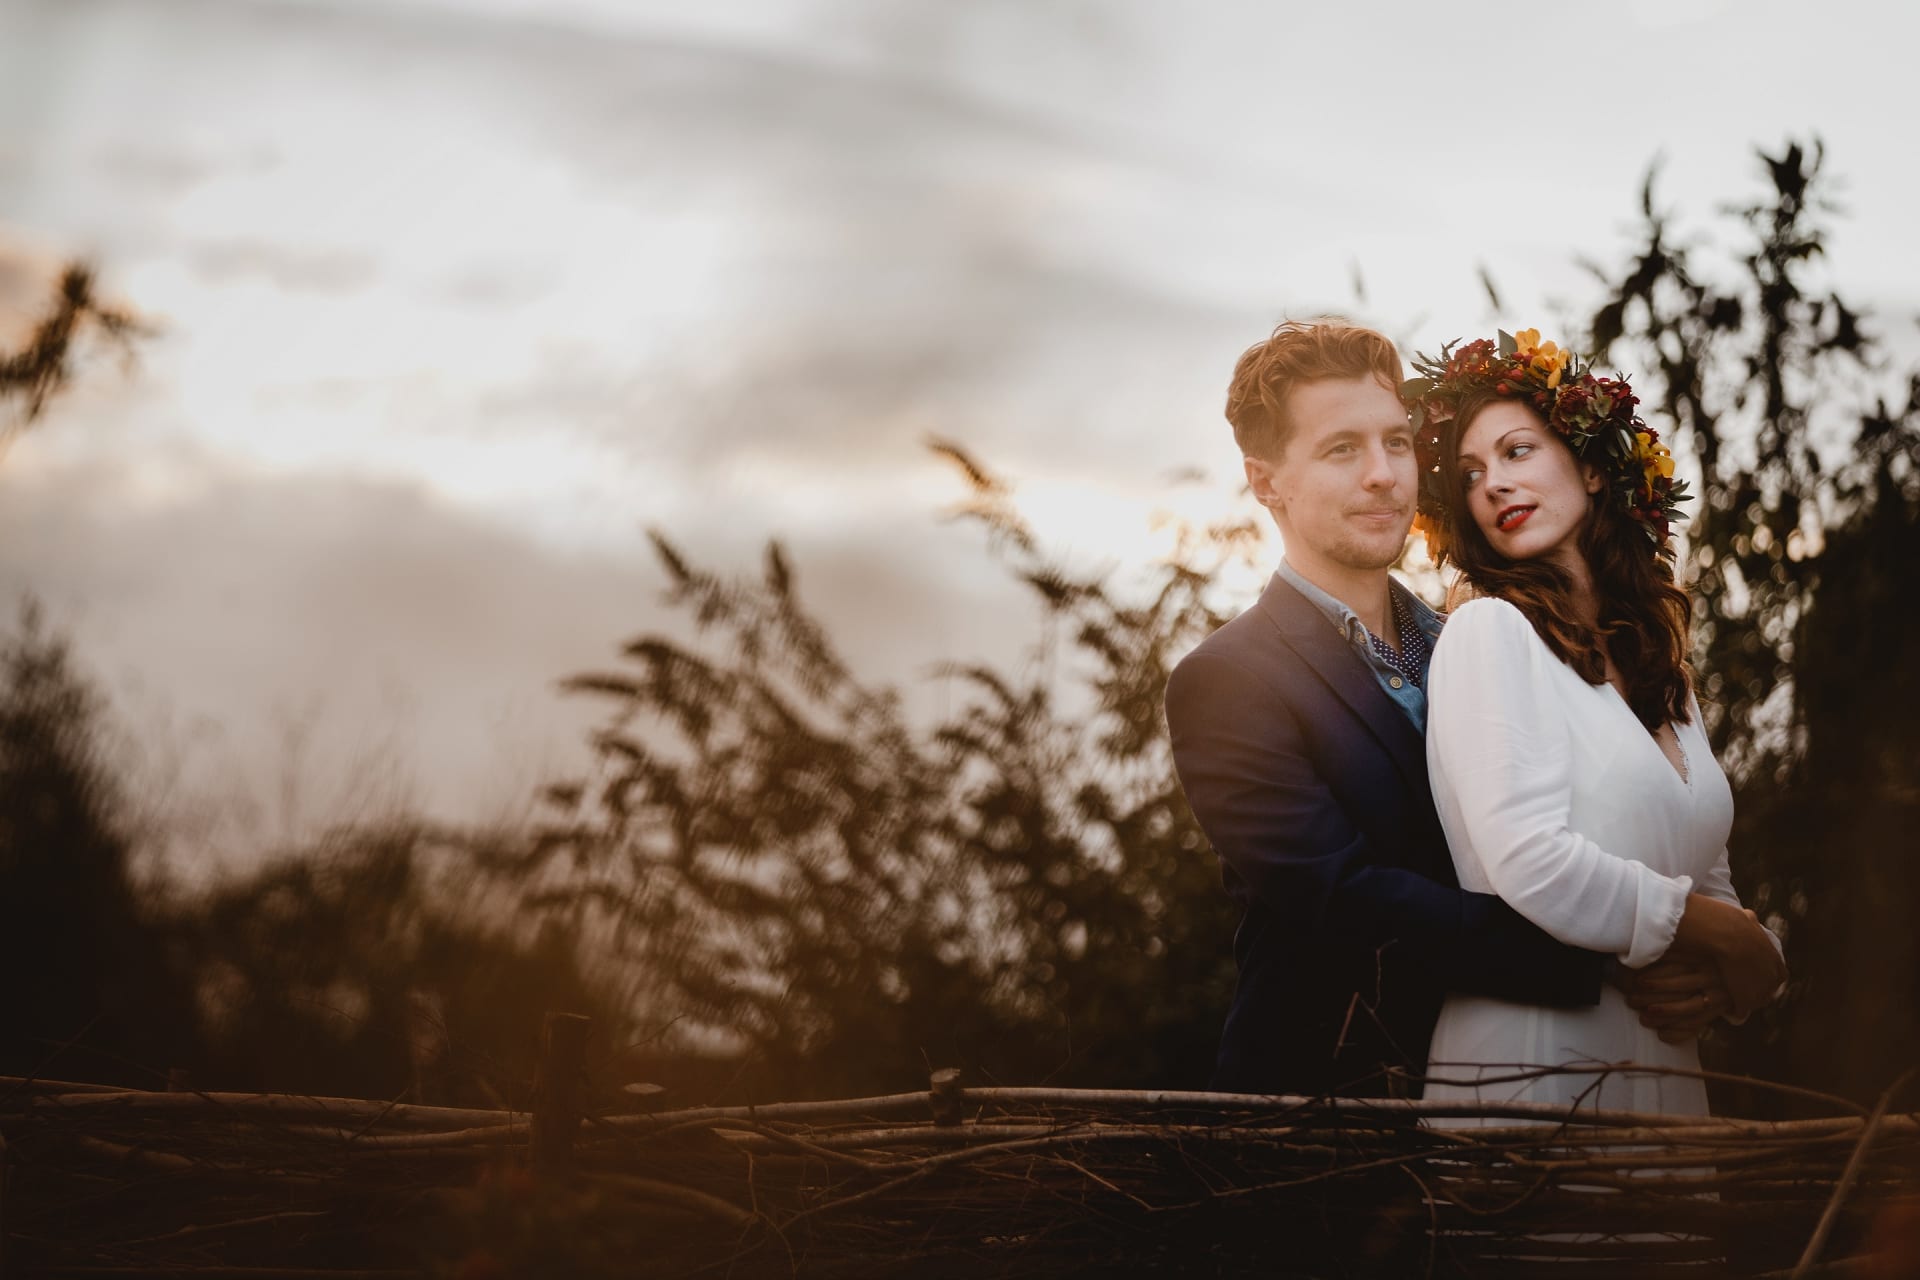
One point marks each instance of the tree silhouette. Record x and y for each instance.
(46, 363)
(1019, 890)
(1800, 556)
(381, 962)
(93, 988)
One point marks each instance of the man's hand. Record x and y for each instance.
(1678, 996)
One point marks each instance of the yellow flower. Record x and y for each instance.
(1655, 457)
(1542, 357)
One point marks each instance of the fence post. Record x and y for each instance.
(947, 1095)
(556, 1093)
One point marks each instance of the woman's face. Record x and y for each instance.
(1525, 490)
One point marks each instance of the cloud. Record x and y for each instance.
(384, 647)
(295, 270)
(491, 286)
(163, 168)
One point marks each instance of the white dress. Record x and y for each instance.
(1554, 796)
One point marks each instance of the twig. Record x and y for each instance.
(209, 1228)
(1818, 1241)
(675, 1194)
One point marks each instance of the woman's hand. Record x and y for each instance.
(1678, 996)
(1740, 947)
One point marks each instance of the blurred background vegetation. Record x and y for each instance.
(775, 883)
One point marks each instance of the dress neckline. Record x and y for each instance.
(1683, 772)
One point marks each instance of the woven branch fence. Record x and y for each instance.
(949, 1181)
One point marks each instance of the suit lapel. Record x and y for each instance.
(1309, 633)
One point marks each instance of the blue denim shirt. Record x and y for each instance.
(1408, 696)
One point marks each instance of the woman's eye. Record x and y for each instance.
(1472, 477)
(1520, 451)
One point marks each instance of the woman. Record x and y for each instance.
(1569, 766)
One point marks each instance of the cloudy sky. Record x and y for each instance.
(459, 296)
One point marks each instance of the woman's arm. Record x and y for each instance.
(1502, 762)
(1501, 759)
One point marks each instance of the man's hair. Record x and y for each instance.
(1299, 352)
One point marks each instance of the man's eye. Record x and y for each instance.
(1400, 444)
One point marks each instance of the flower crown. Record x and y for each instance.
(1594, 415)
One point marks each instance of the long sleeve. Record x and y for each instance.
(1501, 759)
(1718, 882)
(1251, 778)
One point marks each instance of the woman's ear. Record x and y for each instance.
(1590, 475)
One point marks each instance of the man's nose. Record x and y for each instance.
(1380, 472)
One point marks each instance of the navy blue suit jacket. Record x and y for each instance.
(1312, 787)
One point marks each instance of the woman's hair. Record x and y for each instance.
(1643, 616)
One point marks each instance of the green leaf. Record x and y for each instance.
(1507, 345)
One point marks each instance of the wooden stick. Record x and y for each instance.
(238, 1224)
(1401, 1110)
(138, 1102)
(677, 1195)
(234, 1273)
(1818, 1241)
(556, 1093)
(947, 1096)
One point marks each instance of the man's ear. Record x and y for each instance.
(1260, 480)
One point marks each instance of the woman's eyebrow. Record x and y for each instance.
(1497, 445)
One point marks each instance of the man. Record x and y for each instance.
(1297, 732)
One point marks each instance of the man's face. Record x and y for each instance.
(1342, 489)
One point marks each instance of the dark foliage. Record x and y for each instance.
(45, 364)
(373, 963)
(92, 990)
(378, 964)
(1802, 561)
(846, 900)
